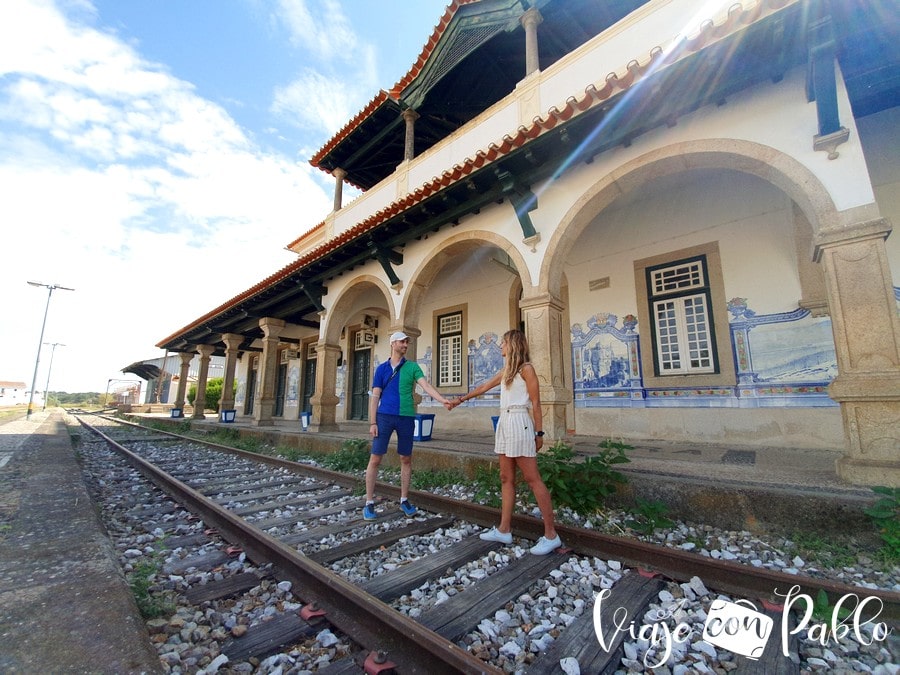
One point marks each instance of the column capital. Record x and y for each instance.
(541, 299)
(232, 340)
(531, 18)
(271, 327)
(877, 228)
(206, 351)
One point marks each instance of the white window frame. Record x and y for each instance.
(449, 361)
(683, 337)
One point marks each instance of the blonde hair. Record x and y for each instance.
(516, 355)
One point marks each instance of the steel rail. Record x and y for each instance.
(723, 576)
(367, 620)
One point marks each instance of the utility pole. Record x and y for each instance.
(49, 368)
(50, 288)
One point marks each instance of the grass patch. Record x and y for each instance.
(826, 552)
(432, 478)
(352, 456)
(141, 581)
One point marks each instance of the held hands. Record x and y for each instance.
(455, 402)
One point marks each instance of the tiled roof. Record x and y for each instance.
(634, 71)
(398, 88)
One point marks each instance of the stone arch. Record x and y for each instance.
(431, 267)
(339, 312)
(767, 163)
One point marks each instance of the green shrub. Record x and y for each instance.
(886, 515)
(213, 392)
(582, 486)
(352, 456)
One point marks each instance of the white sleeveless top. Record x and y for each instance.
(515, 395)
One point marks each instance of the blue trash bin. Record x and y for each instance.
(228, 415)
(177, 413)
(494, 420)
(422, 427)
(305, 418)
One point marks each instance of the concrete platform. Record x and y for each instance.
(64, 604)
(736, 487)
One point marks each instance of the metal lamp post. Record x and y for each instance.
(50, 288)
(49, 368)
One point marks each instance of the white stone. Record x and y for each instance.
(570, 666)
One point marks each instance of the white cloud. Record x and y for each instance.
(118, 180)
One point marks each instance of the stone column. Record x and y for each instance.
(549, 344)
(530, 20)
(324, 401)
(232, 342)
(268, 371)
(186, 358)
(339, 176)
(867, 343)
(410, 116)
(200, 401)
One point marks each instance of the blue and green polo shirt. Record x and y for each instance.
(397, 395)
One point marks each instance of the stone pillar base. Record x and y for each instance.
(869, 472)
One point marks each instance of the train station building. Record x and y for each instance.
(687, 213)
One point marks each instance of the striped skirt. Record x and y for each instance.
(515, 433)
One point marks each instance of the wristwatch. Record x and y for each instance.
(538, 433)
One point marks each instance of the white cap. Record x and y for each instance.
(399, 335)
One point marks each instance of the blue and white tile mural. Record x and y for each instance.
(784, 359)
(605, 361)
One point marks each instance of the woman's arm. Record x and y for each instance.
(534, 393)
(480, 389)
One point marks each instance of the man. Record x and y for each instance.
(392, 409)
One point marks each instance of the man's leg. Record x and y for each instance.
(405, 475)
(372, 476)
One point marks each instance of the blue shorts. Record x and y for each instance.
(404, 425)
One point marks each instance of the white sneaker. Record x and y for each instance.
(494, 534)
(545, 546)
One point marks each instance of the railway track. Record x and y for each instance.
(300, 524)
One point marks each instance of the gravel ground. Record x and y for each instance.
(190, 639)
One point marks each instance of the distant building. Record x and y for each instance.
(16, 393)
(163, 372)
(688, 214)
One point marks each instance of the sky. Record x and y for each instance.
(154, 157)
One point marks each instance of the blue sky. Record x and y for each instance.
(154, 156)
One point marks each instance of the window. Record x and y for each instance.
(679, 297)
(450, 352)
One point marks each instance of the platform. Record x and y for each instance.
(65, 606)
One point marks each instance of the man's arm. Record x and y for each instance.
(374, 398)
(431, 391)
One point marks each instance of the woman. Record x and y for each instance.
(518, 439)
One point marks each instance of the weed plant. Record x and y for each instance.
(487, 485)
(886, 515)
(141, 582)
(352, 456)
(649, 516)
(582, 486)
